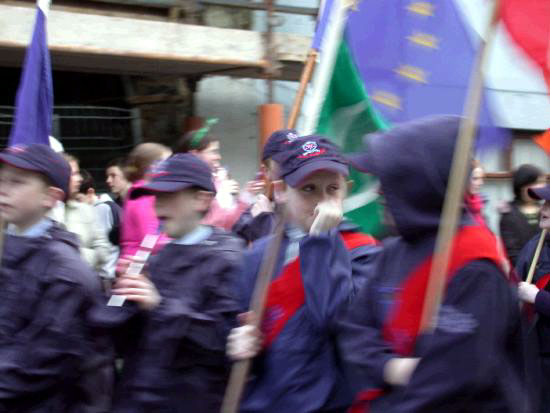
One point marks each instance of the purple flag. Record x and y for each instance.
(322, 25)
(34, 101)
(415, 59)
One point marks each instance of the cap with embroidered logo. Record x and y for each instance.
(278, 142)
(308, 155)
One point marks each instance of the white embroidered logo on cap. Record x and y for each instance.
(309, 147)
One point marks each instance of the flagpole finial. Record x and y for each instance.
(44, 5)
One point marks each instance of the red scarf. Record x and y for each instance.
(286, 293)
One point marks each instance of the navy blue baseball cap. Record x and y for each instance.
(310, 154)
(540, 193)
(180, 171)
(278, 142)
(42, 159)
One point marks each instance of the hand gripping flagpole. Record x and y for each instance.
(240, 369)
(457, 182)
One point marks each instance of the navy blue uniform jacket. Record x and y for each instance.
(52, 359)
(252, 228)
(542, 301)
(473, 362)
(299, 371)
(174, 356)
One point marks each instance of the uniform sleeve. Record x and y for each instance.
(206, 325)
(542, 303)
(51, 348)
(326, 273)
(468, 344)
(360, 344)
(362, 264)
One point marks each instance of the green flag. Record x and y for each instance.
(346, 115)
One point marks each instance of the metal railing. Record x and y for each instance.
(94, 134)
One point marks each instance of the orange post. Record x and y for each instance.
(270, 119)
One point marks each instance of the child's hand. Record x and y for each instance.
(138, 288)
(527, 292)
(328, 215)
(255, 187)
(398, 371)
(244, 342)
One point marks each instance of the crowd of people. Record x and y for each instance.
(341, 329)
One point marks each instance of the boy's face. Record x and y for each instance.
(116, 180)
(319, 187)
(180, 212)
(545, 215)
(24, 196)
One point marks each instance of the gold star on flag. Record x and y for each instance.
(424, 8)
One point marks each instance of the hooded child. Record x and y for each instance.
(472, 361)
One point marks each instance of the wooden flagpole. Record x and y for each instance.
(240, 369)
(307, 73)
(457, 181)
(531, 272)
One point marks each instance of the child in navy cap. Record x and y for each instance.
(174, 354)
(538, 292)
(52, 359)
(473, 360)
(258, 220)
(297, 369)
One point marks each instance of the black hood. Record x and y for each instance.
(413, 162)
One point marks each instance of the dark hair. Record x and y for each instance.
(87, 181)
(524, 175)
(141, 158)
(118, 162)
(188, 142)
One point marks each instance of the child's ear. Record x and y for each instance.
(204, 199)
(350, 184)
(53, 195)
(279, 189)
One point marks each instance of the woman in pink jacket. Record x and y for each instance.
(139, 218)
